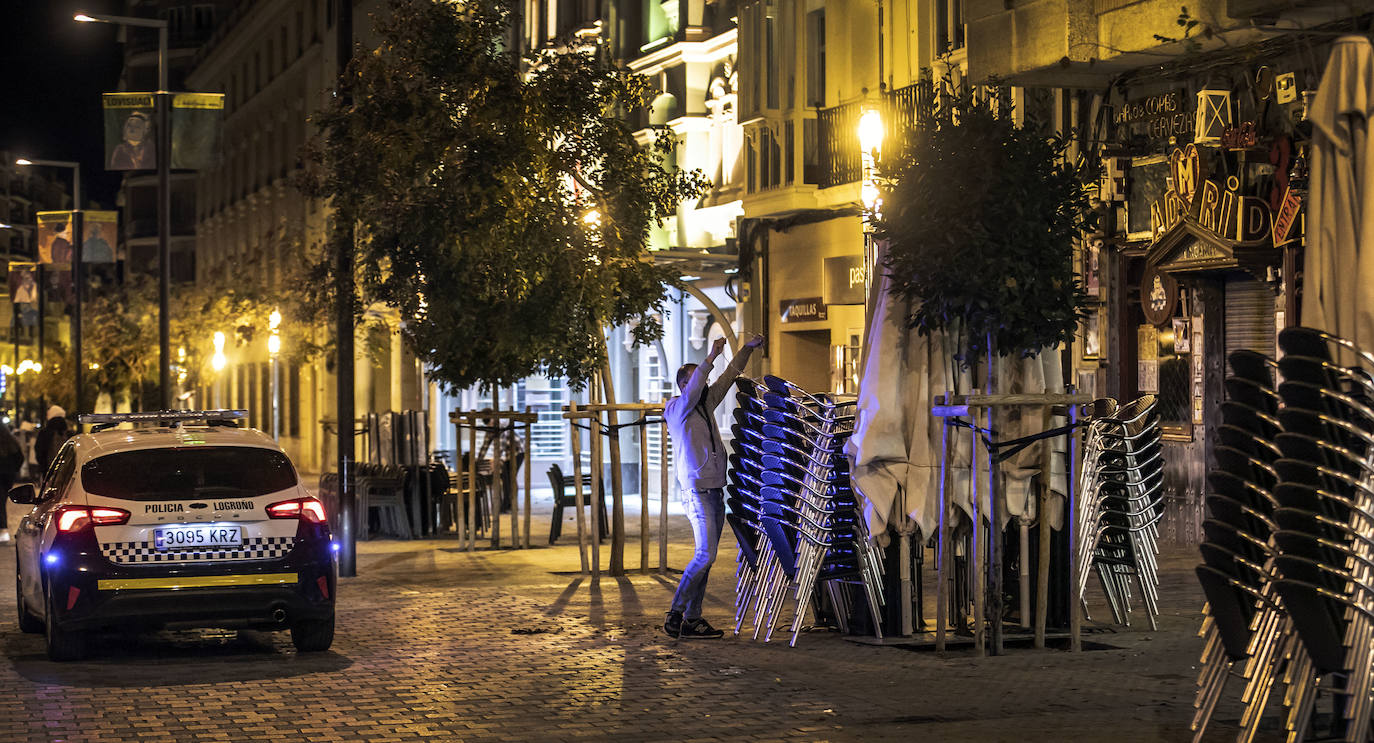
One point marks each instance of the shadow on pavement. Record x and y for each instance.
(170, 659)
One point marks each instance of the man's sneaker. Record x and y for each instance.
(672, 625)
(699, 629)
(4, 535)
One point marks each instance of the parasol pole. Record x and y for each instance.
(942, 532)
(1071, 508)
(976, 573)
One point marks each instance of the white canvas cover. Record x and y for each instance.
(1338, 275)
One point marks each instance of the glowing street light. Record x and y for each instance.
(871, 131)
(218, 361)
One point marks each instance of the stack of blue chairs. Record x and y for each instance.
(792, 510)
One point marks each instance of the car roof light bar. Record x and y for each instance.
(102, 421)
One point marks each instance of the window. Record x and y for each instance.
(189, 472)
(789, 147)
(815, 58)
(60, 471)
(949, 25)
(770, 59)
(811, 166)
(176, 20)
(203, 18)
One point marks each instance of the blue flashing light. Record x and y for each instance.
(51, 558)
(335, 546)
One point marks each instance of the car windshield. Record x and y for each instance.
(188, 472)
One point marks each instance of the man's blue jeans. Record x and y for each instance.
(706, 512)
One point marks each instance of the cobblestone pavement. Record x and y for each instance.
(437, 644)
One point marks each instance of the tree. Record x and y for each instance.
(501, 205)
(981, 215)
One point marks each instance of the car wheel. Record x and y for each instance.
(313, 636)
(27, 621)
(62, 644)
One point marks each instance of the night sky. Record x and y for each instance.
(56, 70)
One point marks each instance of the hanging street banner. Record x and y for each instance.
(23, 285)
(99, 236)
(54, 237)
(196, 121)
(129, 131)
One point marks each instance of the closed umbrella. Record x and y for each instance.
(1340, 218)
(895, 449)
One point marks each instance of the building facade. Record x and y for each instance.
(1201, 136)
(275, 62)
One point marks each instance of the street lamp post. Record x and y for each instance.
(8, 370)
(273, 347)
(78, 267)
(164, 194)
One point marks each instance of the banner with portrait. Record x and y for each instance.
(23, 285)
(58, 289)
(196, 121)
(54, 237)
(99, 237)
(130, 131)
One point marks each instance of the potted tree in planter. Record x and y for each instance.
(980, 215)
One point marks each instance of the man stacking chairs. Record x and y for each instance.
(1121, 482)
(793, 511)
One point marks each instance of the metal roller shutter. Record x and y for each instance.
(1249, 315)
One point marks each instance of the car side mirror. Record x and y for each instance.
(25, 493)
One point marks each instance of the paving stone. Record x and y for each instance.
(434, 643)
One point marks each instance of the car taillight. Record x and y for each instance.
(304, 508)
(75, 518)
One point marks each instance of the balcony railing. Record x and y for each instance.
(840, 159)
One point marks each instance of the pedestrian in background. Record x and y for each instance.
(51, 438)
(700, 458)
(11, 459)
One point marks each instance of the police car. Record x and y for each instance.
(184, 520)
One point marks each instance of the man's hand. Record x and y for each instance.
(755, 342)
(716, 349)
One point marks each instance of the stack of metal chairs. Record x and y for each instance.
(1121, 482)
(1288, 555)
(792, 509)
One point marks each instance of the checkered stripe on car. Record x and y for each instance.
(254, 548)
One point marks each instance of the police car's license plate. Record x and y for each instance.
(191, 537)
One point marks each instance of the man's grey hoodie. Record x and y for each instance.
(697, 448)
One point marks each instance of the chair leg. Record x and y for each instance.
(556, 524)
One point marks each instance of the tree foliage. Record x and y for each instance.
(501, 205)
(120, 338)
(981, 215)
